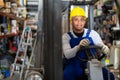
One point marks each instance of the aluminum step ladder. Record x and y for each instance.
(21, 60)
(31, 60)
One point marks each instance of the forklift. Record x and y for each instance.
(48, 50)
(53, 64)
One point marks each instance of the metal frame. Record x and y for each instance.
(76, 2)
(52, 40)
(91, 16)
(118, 7)
(39, 45)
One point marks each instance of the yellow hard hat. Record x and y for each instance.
(77, 11)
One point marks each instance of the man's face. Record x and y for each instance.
(78, 23)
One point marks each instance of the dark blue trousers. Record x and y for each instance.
(72, 72)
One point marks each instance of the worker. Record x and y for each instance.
(72, 43)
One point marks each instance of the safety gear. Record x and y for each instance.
(105, 49)
(84, 42)
(77, 11)
(74, 67)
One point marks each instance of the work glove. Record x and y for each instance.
(84, 42)
(105, 49)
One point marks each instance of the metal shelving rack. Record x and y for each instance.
(32, 6)
(11, 16)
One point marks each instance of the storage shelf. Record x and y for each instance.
(11, 16)
(8, 35)
(109, 14)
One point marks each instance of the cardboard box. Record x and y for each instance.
(1, 3)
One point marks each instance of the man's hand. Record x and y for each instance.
(84, 42)
(105, 49)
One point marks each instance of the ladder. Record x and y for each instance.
(21, 60)
(30, 60)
